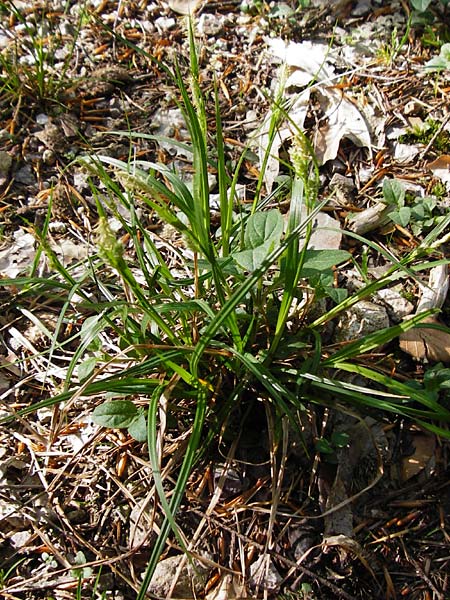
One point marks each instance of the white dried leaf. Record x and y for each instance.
(297, 115)
(68, 251)
(344, 120)
(18, 256)
(308, 60)
(184, 7)
(434, 294)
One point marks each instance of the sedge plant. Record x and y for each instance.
(191, 328)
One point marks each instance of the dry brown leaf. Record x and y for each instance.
(344, 120)
(441, 163)
(441, 168)
(348, 545)
(423, 457)
(427, 343)
(230, 588)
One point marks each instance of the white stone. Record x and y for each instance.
(189, 584)
(265, 574)
(359, 320)
(397, 306)
(326, 233)
(164, 23)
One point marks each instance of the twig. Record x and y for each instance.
(289, 563)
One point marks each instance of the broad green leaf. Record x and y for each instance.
(442, 61)
(263, 227)
(429, 202)
(322, 260)
(336, 294)
(324, 446)
(418, 212)
(262, 234)
(420, 5)
(282, 11)
(393, 192)
(340, 439)
(250, 260)
(138, 427)
(401, 216)
(115, 414)
(86, 368)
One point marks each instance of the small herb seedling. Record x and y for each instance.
(429, 132)
(415, 212)
(122, 414)
(329, 447)
(441, 62)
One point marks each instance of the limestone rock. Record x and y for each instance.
(190, 583)
(359, 320)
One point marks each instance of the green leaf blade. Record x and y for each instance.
(322, 260)
(263, 227)
(393, 192)
(138, 427)
(115, 414)
(262, 234)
